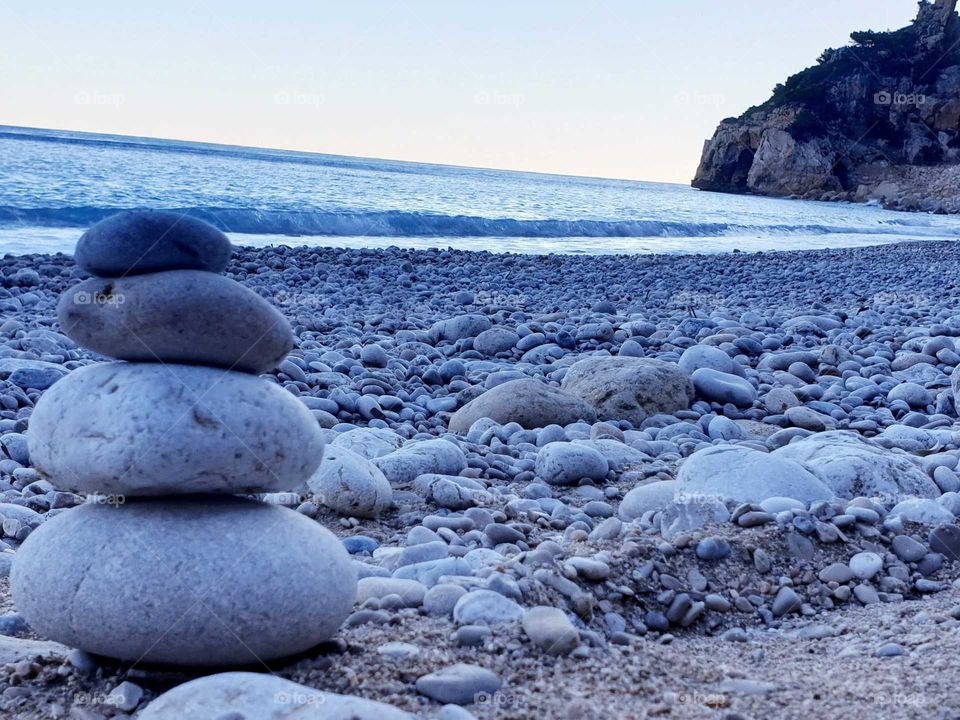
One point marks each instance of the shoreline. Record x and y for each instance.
(400, 326)
(716, 245)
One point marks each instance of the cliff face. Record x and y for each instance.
(879, 118)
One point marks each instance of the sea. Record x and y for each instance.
(54, 184)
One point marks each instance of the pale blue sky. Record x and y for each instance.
(615, 88)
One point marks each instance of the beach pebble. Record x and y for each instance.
(528, 402)
(147, 429)
(713, 549)
(922, 511)
(627, 388)
(851, 466)
(438, 457)
(723, 471)
(350, 484)
(786, 601)
(261, 696)
(495, 340)
(550, 629)
(147, 241)
(562, 463)
(866, 564)
(723, 388)
(242, 558)
(652, 496)
(908, 549)
(485, 607)
(182, 316)
(441, 599)
(461, 684)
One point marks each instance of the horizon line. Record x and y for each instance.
(354, 157)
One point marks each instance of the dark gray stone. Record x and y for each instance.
(181, 316)
(145, 241)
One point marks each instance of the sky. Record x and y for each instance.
(607, 88)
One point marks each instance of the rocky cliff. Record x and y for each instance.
(877, 119)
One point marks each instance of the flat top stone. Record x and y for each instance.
(258, 696)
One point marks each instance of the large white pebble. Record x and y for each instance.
(151, 429)
(351, 484)
(259, 696)
(191, 581)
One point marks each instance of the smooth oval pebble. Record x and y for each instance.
(180, 316)
(350, 484)
(192, 581)
(145, 241)
(150, 429)
(260, 696)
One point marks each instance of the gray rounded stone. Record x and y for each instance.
(560, 463)
(722, 387)
(495, 340)
(487, 607)
(529, 402)
(419, 458)
(145, 241)
(628, 388)
(351, 484)
(192, 581)
(707, 356)
(261, 696)
(865, 565)
(461, 684)
(739, 473)
(652, 496)
(150, 429)
(550, 629)
(181, 316)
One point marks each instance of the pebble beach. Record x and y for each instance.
(610, 486)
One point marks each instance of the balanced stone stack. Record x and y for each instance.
(165, 562)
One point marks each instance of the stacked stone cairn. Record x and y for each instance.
(167, 562)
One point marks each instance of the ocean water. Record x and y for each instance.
(54, 184)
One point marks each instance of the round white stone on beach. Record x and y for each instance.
(145, 241)
(350, 484)
(420, 458)
(851, 465)
(188, 581)
(261, 696)
(739, 473)
(560, 463)
(644, 498)
(181, 316)
(150, 429)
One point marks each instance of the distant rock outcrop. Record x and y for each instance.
(878, 119)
